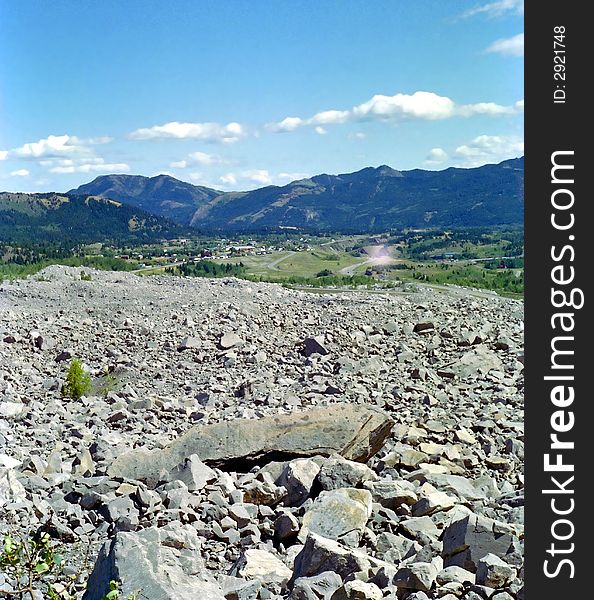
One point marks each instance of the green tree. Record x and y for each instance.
(78, 382)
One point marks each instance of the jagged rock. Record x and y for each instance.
(478, 360)
(11, 410)
(455, 574)
(243, 514)
(467, 489)
(337, 513)
(320, 554)
(337, 472)
(85, 466)
(63, 355)
(297, 478)
(236, 588)
(263, 566)
(286, 526)
(189, 343)
(353, 431)
(357, 590)
(194, 473)
(493, 572)
(416, 576)
(318, 587)
(432, 501)
(122, 513)
(145, 562)
(314, 345)
(11, 489)
(463, 435)
(229, 340)
(423, 596)
(467, 540)
(390, 546)
(418, 526)
(392, 494)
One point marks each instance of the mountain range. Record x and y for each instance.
(369, 200)
(132, 207)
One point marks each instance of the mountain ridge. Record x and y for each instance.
(370, 199)
(162, 195)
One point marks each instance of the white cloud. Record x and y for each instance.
(202, 158)
(199, 158)
(520, 105)
(52, 146)
(95, 141)
(253, 178)
(287, 124)
(496, 9)
(3, 154)
(20, 173)
(288, 177)
(485, 108)
(209, 132)
(196, 176)
(200, 179)
(327, 117)
(436, 156)
(358, 135)
(228, 179)
(320, 130)
(485, 149)
(513, 46)
(179, 164)
(91, 165)
(61, 153)
(421, 105)
(257, 176)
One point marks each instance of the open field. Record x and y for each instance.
(490, 260)
(280, 265)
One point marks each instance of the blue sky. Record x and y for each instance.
(240, 94)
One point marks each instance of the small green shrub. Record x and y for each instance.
(85, 276)
(114, 593)
(31, 564)
(78, 382)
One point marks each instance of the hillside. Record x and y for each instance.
(161, 195)
(376, 199)
(51, 216)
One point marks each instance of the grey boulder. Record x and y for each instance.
(353, 431)
(159, 563)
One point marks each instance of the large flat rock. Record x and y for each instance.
(355, 432)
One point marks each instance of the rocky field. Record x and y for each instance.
(246, 441)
